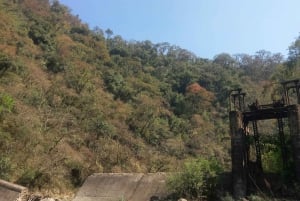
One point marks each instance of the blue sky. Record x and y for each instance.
(204, 27)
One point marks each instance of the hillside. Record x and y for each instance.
(75, 100)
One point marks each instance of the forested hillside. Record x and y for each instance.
(76, 100)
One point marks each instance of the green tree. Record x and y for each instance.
(225, 60)
(149, 120)
(293, 62)
(54, 63)
(109, 33)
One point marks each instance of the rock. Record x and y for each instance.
(182, 199)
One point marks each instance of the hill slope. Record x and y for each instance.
(74, 102)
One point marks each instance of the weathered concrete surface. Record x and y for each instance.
(123, 186)
(11, 192)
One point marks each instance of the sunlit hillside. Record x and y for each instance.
(76, 100)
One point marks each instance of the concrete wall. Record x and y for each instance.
(122, 187)
(12, 192)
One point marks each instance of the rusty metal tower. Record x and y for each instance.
(288, 107)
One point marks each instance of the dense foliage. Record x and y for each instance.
(74, 101)
(197, 181)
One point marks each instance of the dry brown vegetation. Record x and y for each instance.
(73, 102)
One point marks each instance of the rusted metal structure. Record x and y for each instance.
(241, 118)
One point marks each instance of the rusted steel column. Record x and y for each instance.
(239, 179)
(294, 124)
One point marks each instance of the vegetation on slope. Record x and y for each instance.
(74, 101)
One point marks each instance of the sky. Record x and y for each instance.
(204, 27)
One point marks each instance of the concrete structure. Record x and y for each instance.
(123, 187)
(12, 192)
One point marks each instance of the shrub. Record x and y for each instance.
(116, 84)
(197, 180)
(80, 30)
(76, 172)
(41, 33)
(78, 79)
(5, 63)
(54, 63)
(5, 167)
(34, 97)
(33, 178)
(6, 104)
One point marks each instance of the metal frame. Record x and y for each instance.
(240, 117)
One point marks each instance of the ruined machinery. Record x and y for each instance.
(244, 124)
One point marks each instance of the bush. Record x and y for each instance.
(76, 173)
(116, 84)
(100, 127)
(80, 30)
(7, 104)
(41, 33)
(5, 167)
(78, 79)
(197, 180)
(5, 63)
(54, 63)
(33, 178)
